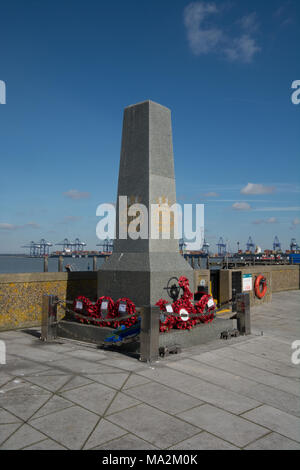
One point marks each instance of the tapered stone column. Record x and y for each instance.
(140, 269)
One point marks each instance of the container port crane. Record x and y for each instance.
(276, 244)
(250, 245)
(221, 247)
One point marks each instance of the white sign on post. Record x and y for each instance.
(247, 282)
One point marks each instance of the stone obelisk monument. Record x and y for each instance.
(140, 269)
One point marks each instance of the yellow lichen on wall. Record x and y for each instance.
(21, 302)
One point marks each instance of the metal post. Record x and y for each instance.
(243, 313)
(234, 301)
(49, 317)
(60, 264)
(45, 264)
(149, 337)
(95, 263)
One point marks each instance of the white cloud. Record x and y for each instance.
(202, 40)
(32, 225)
(241, 206)
(271, 220)
(75, 194)
(5, 226)
(252, 188)
(8, 227)
(205, 37)
(242, 49)
(249, 22)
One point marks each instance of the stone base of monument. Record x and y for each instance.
(80, 332)
(200, 334)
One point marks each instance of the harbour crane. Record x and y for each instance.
(294, 245)
(221, 247)
(78, 245)
(250, 245)
(276, 244)
(107, 245)
(205, 247)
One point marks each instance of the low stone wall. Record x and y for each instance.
(285, 278)
(21, 294)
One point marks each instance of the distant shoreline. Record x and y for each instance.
(15, 254)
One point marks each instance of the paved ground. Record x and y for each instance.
(236, 394)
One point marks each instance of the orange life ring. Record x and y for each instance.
(260, 280)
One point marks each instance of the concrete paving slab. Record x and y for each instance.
(128, 442)
(87, 354)
(266, 351)
(70, 427)
(277, 420)
(248, 388)
(273, 441)
(163, 398)
(54, 404)
(262, 363)
(80, 366)
(126, 364)
(94, 397)
(47, 444)
(244, 370)
(135, 380)
(233, 429)
(204, 441)
(75, 382)
(8, 418)
(202, 390)
(24, 436)
(24, 401)
(50, 382)
(7, 430)
(104, 432)
(4, 378)
(121, 402)
(34, 353)
(21, 367)
(115, 380)
(154, 426)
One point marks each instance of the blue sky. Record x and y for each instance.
(224, 68)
